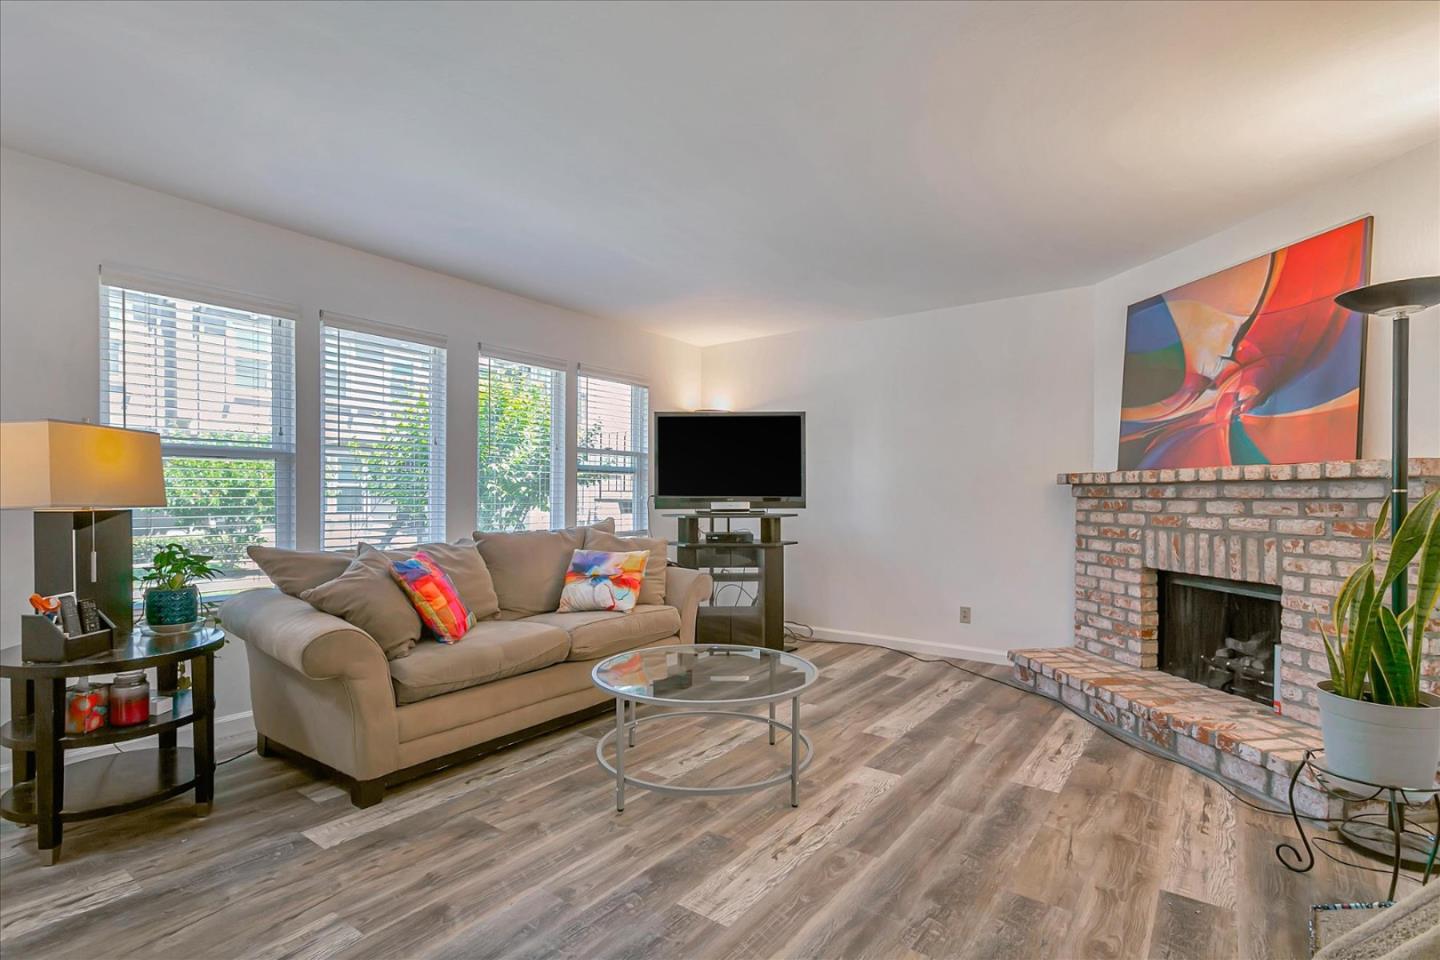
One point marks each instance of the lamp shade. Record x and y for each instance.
(57, 464)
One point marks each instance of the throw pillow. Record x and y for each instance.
(433, 596)
(367, 597)
(598, 580)
(463, 564)
(652, 591)
(529, 567)
(295, 571)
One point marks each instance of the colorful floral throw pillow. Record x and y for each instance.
(598, 580)
(433, 596)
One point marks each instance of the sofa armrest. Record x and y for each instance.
(318, 685)
(312, 643)
(684, 589)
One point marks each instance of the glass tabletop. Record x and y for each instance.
(708, 673)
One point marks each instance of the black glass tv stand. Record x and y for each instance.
(748, 602)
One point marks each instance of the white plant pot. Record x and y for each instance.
(1379, 743)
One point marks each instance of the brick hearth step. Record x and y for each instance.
(1245, 744)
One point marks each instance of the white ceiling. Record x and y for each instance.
(722, 171)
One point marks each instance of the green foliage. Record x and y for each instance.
(201, 491)
(515, 456)
(1369, 638)
(396, 469)
(174, 567)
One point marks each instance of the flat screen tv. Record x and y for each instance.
(703, 458)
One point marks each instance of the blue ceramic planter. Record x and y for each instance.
(168, 607)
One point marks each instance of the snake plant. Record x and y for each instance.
(1369, 637)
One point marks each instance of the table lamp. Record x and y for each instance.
(1399, 300)
(82, 477)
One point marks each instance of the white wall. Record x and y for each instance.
(928, 490)
(933, 441)
(58, 223)
(1404, 197)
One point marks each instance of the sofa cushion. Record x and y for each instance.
(599, 633)
(463, 564)
(367, 596)
(488, 651)
(528, 567)
(652, 591)
(295, 571)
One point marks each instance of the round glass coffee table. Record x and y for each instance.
(703, 680)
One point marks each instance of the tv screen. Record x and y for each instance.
(704, 457)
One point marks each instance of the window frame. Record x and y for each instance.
(560, 448)
(436, 489)
(281, 451)
(639, 427)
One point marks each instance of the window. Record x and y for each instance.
(612, 471)
(521, 446)
(384, 438)
(218, 385)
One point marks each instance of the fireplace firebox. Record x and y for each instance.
(1222, 633)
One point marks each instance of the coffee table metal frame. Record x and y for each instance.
(627, 720)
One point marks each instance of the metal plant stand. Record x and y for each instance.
(1382, 834)
(704, 680)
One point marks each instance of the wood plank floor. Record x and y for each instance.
(944, 816)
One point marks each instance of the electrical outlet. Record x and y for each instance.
(964, 614)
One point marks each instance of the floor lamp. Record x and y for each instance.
(1399, 300)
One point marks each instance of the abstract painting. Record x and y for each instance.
(1254, 364)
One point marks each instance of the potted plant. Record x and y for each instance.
(171, 596)
(1377, 724)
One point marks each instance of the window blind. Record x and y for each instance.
(612, 471)
(218, 385)
(383, 439)
(521, 446)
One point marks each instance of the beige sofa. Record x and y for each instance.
(323, 689)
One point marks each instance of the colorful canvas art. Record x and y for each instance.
(1254, 364)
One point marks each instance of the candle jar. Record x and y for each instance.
(84, 708)
(129, 699)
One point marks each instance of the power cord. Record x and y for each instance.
(242, 753)
(809, 636)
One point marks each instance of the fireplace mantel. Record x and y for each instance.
(1420, 467)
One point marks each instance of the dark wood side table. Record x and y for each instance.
(49, 794)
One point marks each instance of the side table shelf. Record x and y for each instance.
(115, 783)
(20, 734)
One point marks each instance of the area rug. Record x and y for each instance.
(1410, 930)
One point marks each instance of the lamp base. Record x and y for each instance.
(63, 542)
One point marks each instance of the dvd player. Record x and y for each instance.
(729, 536)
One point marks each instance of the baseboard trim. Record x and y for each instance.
(908, 645)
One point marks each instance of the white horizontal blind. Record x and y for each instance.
(218, 385)
(384, 439)
(521, 446)
(613, 452)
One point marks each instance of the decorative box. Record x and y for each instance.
(42, 640)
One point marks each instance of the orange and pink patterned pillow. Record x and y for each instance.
(434, 597)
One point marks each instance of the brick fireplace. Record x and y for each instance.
(1301, 528)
